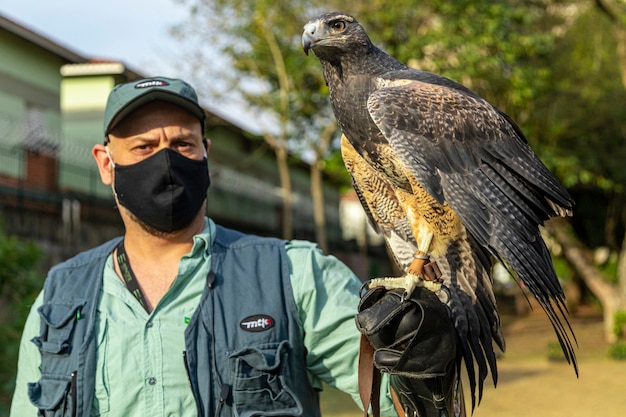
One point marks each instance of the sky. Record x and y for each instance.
(135, 32)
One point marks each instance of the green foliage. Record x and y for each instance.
(618, 351)
(499, 49)
(580, 126)
(265, 63)
(620, 324)
(585, 102)
(555, 353)
(552, 65)
(562, 268)
(19, 285)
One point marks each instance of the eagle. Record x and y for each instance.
(449, 181)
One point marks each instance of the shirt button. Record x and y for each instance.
(149, 324)
(152, 380)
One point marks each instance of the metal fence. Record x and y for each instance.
(72, 178)
(238, 197)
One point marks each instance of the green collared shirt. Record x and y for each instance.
(140, 369)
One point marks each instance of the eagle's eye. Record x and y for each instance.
(339, 25)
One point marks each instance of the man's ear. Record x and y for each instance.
(105, 167)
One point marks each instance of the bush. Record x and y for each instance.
(620, 324)
(555, 352)
(618, 351)
(19, 285)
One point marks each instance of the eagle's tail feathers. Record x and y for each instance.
(474, 312)
(531, 263)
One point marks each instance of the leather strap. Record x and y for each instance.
(432, 272)
(369, 379)
(397, 404)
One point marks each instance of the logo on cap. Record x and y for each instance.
(151, 83)
(257, 323)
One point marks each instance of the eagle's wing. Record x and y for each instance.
(466, 153)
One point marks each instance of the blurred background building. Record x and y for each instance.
(51, 105)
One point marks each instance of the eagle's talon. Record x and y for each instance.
(364, 287)
(407, 282)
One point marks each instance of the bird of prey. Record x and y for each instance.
(449, 180)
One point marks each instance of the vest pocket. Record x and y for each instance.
(55, 393)
(60, 320)
(259, 386)
(52, 395)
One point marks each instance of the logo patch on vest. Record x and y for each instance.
(257, 323)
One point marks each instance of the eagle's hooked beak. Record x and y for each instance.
(309, 37)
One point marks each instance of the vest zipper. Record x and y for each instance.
(225, 389)
(74, 391)
(223, 398)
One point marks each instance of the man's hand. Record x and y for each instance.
(415, 341)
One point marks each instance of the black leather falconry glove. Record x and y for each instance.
(414, 340)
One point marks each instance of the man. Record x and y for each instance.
(182, 317)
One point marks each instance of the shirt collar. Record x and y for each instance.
(203, 241)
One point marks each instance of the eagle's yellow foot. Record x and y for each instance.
(407, 282)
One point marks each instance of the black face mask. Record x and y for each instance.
(165, 191)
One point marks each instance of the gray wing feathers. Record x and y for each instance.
(465, 152)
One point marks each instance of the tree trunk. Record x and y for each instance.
(317, 186)
(285, 183)
(621, 279)
(317, 195)
(280, 145)
(280, 150)
(610, 296)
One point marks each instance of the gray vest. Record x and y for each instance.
(244, 352)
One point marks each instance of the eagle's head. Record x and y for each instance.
(334, 34)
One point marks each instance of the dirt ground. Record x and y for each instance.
(542, 389)
(532, 386)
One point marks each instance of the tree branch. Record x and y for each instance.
(609, 296)
(581, 260)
